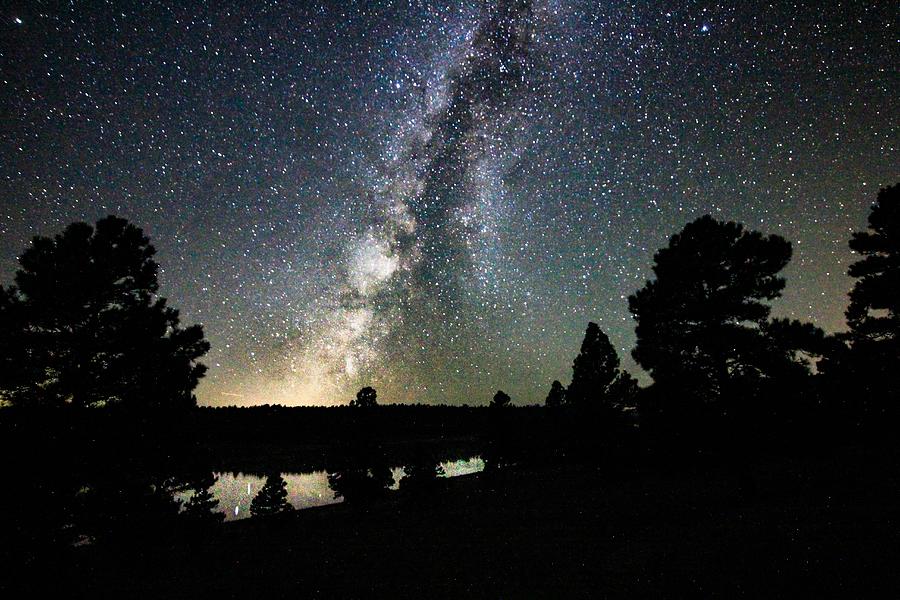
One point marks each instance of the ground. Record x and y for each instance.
(821, 525)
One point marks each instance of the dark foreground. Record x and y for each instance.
(825, 525)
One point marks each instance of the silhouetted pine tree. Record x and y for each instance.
(556, 396)
(863, 372)
(595, 367)
(874, 311)
(18, 365)
(621, 393)
(361, 474)
(86, 315)
(272, 498)
(498, 435)
(595, 372)
(702, 324)
(201, 507)
(596, 398)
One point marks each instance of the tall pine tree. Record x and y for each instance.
(597, 380)
(866, 368)
(874, 311)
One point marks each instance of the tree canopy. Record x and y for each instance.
(556, 396)
(272, 498)
(501, 399)
(363, 477)
(703, 323)
(365, 398)
(874, 311)
(868, 355)
(201, 508)
(596, 377)
(84, 326)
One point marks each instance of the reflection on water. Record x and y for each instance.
(452, 468)
(235, 492)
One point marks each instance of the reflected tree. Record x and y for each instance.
(361, 482)
(421, 474)
(362, 474)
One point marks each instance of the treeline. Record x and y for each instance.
(315, 424)
(83, 326)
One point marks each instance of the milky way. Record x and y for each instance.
(435, 198)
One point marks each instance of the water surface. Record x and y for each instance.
(235, 491)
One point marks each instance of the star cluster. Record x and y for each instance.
(434, 198)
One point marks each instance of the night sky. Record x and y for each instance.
(435, 198)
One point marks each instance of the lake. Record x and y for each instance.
(235, 492)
